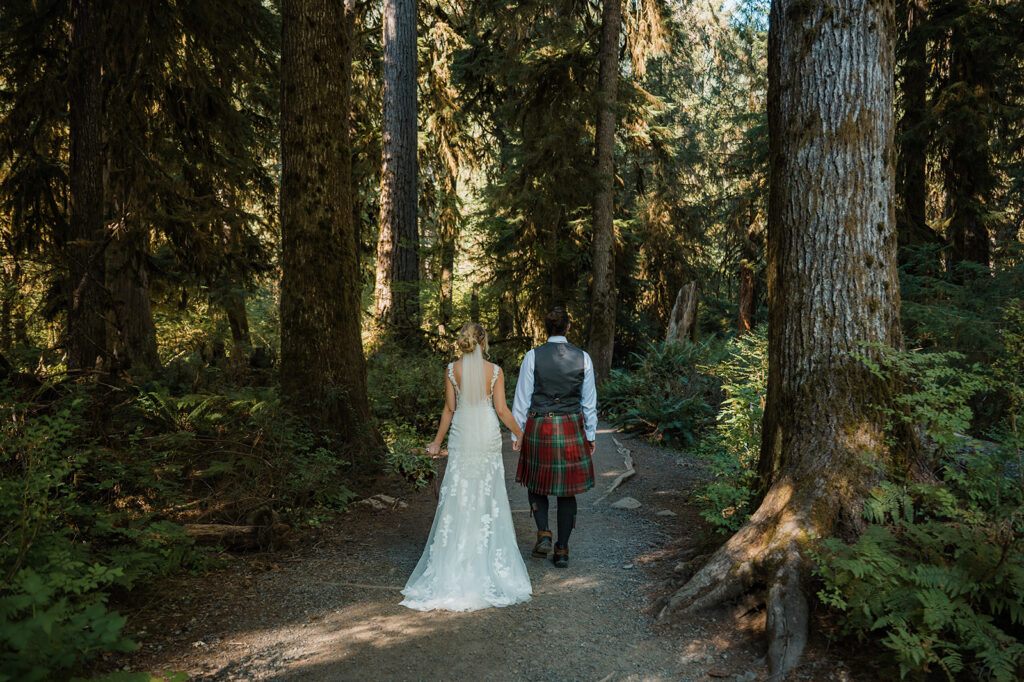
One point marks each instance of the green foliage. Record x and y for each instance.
(663, 397)
(90, 496)
(63, 550)
(240, 444)
(938, 575)
(732, 448)
(935, 390)
(406, 455)
(406, 388)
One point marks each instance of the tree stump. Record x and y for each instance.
(682, 323)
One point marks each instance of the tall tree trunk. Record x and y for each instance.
(506, 315)
(912, 132)
(238, 319)
(745, 307)
(474, 303)
(233, 300)
(86, 298)
(832, 285)
(11, 296)
(967, 166)
(448, 235)
(747, 299)
(397, 285)
(602, 310)
(323, 371)
(132, 332)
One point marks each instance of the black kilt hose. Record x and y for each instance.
(553, 459)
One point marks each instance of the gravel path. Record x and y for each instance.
(328, 610)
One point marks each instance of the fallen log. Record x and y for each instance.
(239, 537)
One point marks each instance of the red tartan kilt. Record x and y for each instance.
(554, 459)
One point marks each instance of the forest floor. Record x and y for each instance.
(328, 609)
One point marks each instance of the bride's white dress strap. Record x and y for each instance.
(451, 375)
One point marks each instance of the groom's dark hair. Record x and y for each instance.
(556, 322)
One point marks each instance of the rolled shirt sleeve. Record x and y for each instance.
(524, 391)
(589, 398)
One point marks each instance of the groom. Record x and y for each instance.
(556, 406)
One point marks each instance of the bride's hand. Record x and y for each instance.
(517, 444)
(434, 448)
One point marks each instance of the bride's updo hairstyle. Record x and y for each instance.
(471, 336)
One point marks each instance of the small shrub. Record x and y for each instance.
(406, 387)
(663, 397)
(406, 455)
(938, 574)
(64, 552)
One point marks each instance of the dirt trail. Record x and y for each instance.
(329, 609)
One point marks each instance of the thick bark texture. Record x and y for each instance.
(602, 311)
(86, 299)
(397, 285)
(323, 371)
(832, 285)
(132, 332)
(682, 323)
(238, 320)
(913, 133)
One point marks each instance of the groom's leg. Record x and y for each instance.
(566, 519)
(539, 509)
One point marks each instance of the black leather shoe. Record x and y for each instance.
(543, 547)
(561, 558)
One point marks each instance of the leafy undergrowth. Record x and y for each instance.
(663, 396)
(937, 577)
(96, 484)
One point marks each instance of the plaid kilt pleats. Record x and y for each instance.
(553, 459)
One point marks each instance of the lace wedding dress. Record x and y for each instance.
(472, 560)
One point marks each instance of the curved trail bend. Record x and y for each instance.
(329, 609)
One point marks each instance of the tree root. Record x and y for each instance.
(762, 552)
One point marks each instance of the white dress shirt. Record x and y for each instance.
(524, 391)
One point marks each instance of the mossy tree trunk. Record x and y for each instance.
(832, 285)
(397, 285)
(602, 311)
(85, 240)
(132, 332)
(323, 371)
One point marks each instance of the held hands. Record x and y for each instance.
(591, 446)
(434, 448)
(517, 444)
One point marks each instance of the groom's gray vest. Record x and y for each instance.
(557, 378)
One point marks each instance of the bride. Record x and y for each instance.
(471, 560)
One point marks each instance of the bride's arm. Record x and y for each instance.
(501, 407)
(446, 416)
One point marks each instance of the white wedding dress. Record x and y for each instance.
(471, 560)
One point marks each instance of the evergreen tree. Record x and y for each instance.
(397, 287)
(824, 442)
(602, 316)
(322, 366)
